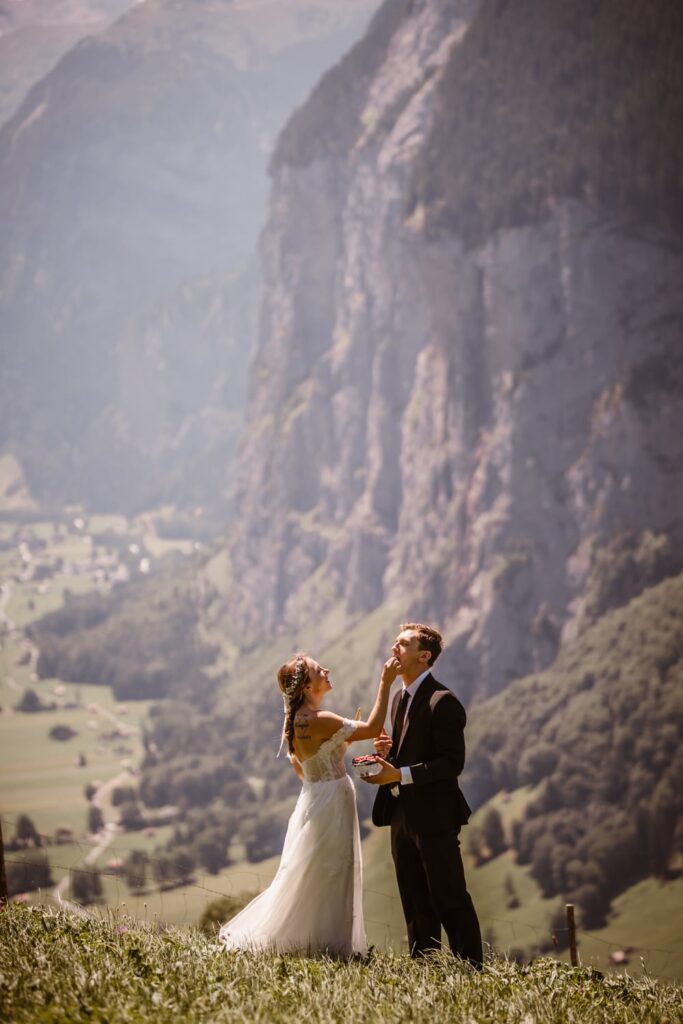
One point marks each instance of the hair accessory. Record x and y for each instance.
(291, 692)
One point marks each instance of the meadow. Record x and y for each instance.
(59, 968)
(41, 561)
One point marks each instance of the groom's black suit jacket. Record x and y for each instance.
(434, 747)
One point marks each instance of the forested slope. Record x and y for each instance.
(601, 733)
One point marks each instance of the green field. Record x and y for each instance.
(648, 920)
(40, 776)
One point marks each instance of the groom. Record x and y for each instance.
(420, 799)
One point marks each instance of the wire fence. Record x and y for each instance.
(182, 901)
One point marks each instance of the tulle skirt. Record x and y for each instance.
(314, 905)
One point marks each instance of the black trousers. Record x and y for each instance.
(431, 883)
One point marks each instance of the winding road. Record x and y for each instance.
(103, 838)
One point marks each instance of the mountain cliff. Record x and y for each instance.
(467, 394)
(132, 191)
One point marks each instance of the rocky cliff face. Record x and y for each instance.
(132, 190)
(457, 419)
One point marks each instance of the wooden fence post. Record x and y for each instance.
(571, 927)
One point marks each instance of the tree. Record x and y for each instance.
(31, 702)
(95, 819)
(31, 872)
(593, 904)
(678, 837)
(475, 847)
(492, 829)
(263, 835)
(62, 732)
(122, 794)
(131, 817)
(86, 885)
(184, 864)
(536, 763)
(136, 870)
(662, 825)
(25, 831)
(212, 852)
(542, 864)
(512, 901)
(221, 910)
(162, 868)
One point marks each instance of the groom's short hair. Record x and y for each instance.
(428, 639)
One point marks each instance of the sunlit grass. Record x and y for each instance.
(55, 967)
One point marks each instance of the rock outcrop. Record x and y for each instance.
(459, 411)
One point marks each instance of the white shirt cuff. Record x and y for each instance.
(406, 775)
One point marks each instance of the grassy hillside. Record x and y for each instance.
(599, 734)
(60, 968)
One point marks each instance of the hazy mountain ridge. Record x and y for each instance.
(134, 168)
(20, 13)
(33, 36)
(486, 418)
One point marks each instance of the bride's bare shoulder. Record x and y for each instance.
(320, 724)
(329, 723)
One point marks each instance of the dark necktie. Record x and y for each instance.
(398, 722)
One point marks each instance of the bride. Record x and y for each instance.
(315, 902)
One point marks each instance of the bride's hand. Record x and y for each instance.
(390, 670)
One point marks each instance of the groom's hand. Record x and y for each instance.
(389, 774)
(383, 744)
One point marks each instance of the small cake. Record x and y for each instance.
(366, 764)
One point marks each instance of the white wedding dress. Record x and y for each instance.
(315, 902)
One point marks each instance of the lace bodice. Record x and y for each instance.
(328, 761)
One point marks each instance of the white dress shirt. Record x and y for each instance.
(406, 774)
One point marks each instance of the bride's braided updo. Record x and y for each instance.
(292, 678)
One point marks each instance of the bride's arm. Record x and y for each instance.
(296, 765)
(326, 723)
(373, 727)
